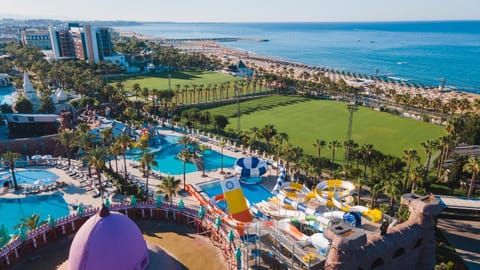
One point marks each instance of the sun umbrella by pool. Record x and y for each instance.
(250, 167)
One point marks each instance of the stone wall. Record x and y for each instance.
(409, 245)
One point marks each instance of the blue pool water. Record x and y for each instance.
(253, 193)
(12, 210)
(166, 157)
(32, 177)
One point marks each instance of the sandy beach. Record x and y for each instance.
(275, 65)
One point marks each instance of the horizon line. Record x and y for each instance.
(180, 22)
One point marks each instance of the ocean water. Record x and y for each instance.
(418, 52)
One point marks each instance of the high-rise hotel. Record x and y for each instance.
(81, 42)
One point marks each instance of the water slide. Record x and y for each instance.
(250, 167)
(339, 193)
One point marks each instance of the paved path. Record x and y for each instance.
(464, 235)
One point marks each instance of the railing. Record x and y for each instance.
(18, 248)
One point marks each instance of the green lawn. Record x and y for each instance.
(305, 120)
(160, 81)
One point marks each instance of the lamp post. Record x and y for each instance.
(169, 87)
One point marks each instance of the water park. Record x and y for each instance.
(248, 205)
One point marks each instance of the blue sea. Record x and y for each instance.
(418, 52)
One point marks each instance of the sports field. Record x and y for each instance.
(306, 120)
(160, 81)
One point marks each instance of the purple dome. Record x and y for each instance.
(108, 240)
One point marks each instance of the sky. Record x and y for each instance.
(244, 10)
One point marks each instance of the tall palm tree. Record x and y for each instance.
(31, 223)
(444, 144)
(184, 140)
(267, 132)
(334, 145)
(146, 162)
(203, 148)
(124, 143)
(185, 156)
(169, 185)
(392, 189)
(409, 156)
(10, 158)
(473, 167)
(365, 154)
(67, 139)
(96, 158)
(429, 147)
(222, 145)
(319, 145)
(115, 150)
(416, 176)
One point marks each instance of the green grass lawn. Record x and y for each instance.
(160, 81)
(306, 120)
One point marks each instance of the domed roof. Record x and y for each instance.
(108, 240)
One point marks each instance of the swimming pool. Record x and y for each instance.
(12, 210)
(168, 162)
(253, 193)
(31, 177)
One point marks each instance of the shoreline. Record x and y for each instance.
(212, 48)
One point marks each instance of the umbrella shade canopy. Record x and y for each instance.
(36, 157)
(250, 166)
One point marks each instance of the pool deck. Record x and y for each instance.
(75, 193)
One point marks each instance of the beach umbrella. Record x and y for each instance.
(80, 210)
(51, 221)
(231, 236)
(133, 201)
(158, 201)
(36, 157)
(218, 222)
(201, 212)
(181, 205)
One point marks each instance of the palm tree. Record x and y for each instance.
(319, 145)
(115, 150)
(185, 155)
(31, 223)
(409, 156)
(169, 185)
(365, 154)
(202, 148)
(334, 145)
(267, 132)
(67, 139)
(10, 158)
(222, 145)
(429, 147)
(416, 176)
(124, 143)
(392, 188)
(96, 158)
(146, 162)
(444, 144)
(473, 167)
(184, 140)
